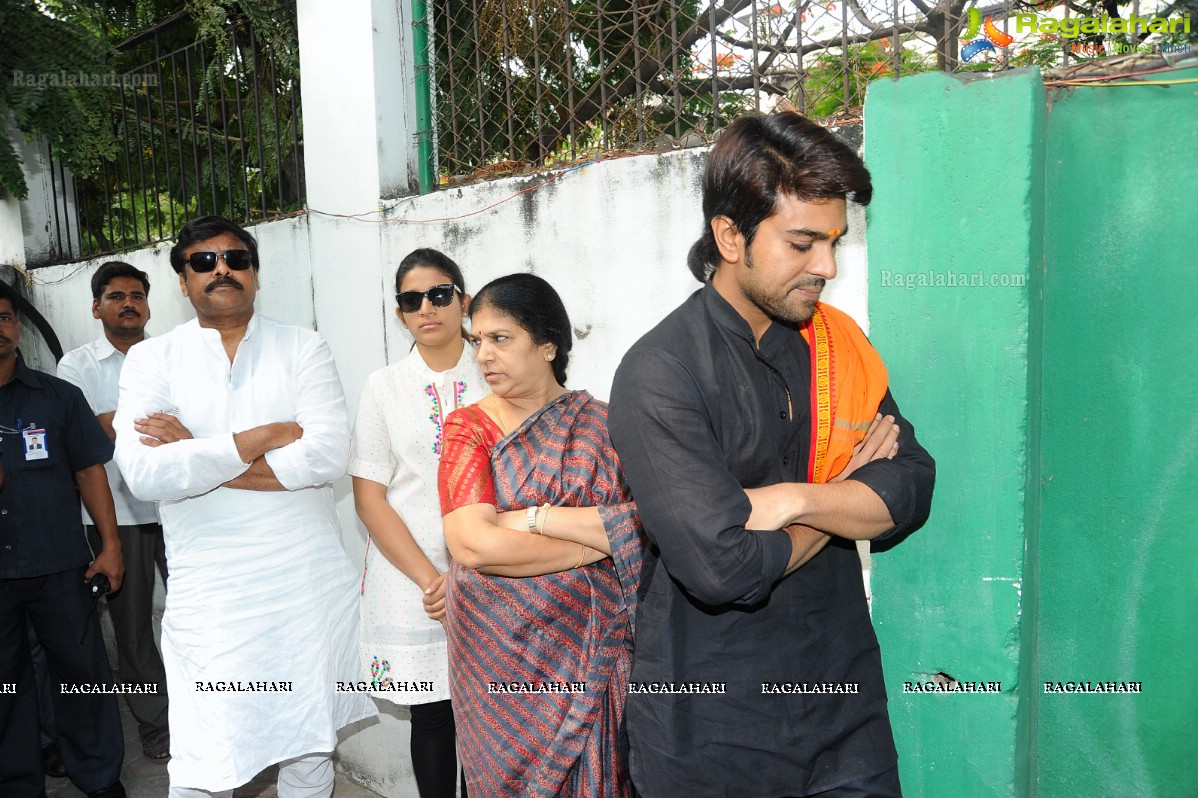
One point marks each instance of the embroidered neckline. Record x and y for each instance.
(438, 414)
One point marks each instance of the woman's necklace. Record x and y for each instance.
(499, 414)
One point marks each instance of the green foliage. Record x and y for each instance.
(49, 68)
(823, 92)
(200, 112)
(1180, 8)
(1044, 53)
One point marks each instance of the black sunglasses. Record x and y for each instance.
(236, 259)
(438, 296)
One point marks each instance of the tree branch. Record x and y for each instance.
(589, 107)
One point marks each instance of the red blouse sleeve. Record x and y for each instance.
(464, 476)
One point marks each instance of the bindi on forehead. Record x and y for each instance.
(806, 232)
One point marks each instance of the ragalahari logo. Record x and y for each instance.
(992, 39)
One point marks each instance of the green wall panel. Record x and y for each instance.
(1118, 539)
(1054, 388)
(955, 200)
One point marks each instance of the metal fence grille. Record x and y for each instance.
(209, 128)
(528, 82)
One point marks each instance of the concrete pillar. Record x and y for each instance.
(356, 75)
(12, 239)
(359, 150)
(44, 226)
(12, 236)
(1117, 546)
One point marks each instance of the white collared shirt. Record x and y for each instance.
(95, 368)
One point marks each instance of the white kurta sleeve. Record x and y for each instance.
(322, 454)
(371, 456)
(175, 470)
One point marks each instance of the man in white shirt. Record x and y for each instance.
(120, 300)
(236, 425)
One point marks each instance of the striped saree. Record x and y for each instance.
(539, 665)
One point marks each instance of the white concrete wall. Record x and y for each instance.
(63, 293)
(612, 237)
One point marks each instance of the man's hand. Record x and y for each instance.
(259, 476)
(880, 442)
(157, 429)
(111, 564)
(286, 432)
(105, 420)
(97, 498)
(434, 597)
(774, 506)
(257, 441)
(805, 543)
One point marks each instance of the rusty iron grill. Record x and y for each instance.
(207, 128)
(525, 83)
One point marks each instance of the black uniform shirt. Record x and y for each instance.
(41, 528)
(698, 413)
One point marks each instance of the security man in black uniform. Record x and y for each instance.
(51, 444)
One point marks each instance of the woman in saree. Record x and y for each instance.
(546, 553)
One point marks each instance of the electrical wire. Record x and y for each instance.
(1101, 79)
(360, 216)
(1127, 83)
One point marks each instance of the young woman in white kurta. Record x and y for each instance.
(395, 451)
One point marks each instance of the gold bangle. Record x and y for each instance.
(544, 519)
(582, 554)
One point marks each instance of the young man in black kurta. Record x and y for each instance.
(753, 584)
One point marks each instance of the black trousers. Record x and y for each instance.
(132, 611)
(89, 724)
(45, 696)
(434, 750)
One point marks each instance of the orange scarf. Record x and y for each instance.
(848, 382)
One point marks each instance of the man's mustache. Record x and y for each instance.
(219, 281)
(131, 312)
(4, 340)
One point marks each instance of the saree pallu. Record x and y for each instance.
(539, 666)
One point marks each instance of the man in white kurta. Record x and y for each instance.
(236, 424)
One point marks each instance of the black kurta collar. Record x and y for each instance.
(777, 336)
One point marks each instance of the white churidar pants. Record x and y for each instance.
(303, 777)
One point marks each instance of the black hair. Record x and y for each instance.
(114, 269)
(7, 292)
(537, 308)
(204, 228)
(757, 158)
(426, 258)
